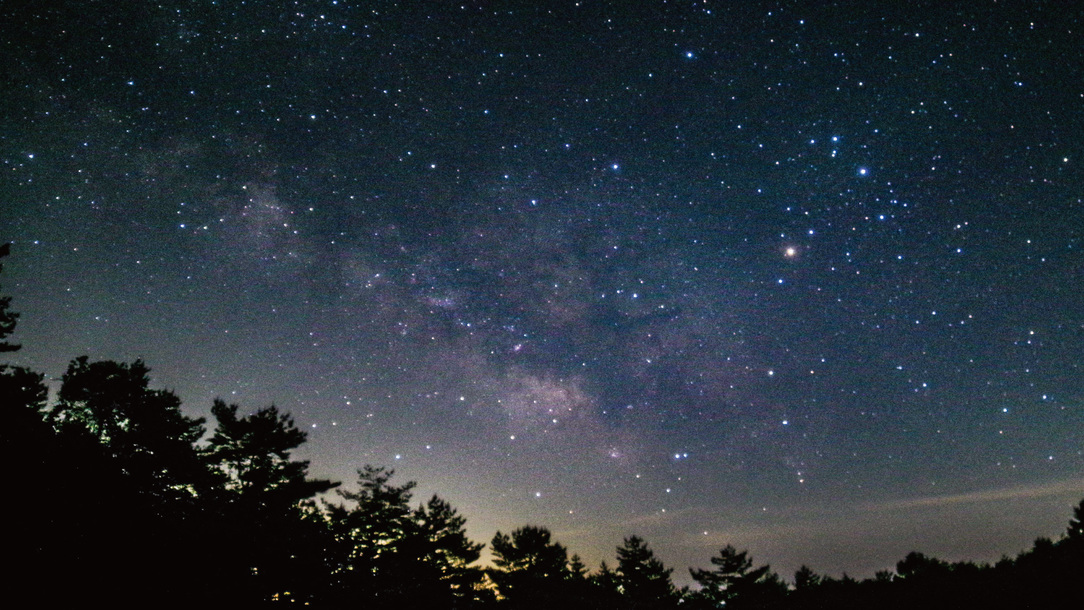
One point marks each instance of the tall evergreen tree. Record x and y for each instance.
(265, 538)
(386, 555)
(605, 588)
(7, 318)
(447, 555)
(141, 429)
(252, 453)
(806, 578)
(127, 454)
(369, 560)
(22, 393)
(29, 445)
(642, 578)
(1075, 530)
(531, 569)
(734, 583)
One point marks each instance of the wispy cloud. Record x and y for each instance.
(817, 524)
(1027, 492)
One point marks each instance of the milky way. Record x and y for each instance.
(804, 278)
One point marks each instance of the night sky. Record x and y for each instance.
(802, 277)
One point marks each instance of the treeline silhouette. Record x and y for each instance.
(117, 499)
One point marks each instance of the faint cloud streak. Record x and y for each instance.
(1027, 492)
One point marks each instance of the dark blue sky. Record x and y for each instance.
(801, 277)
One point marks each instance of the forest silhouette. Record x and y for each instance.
(119, 499)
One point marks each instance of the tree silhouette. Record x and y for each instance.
(253, 454)
(447, 555)
(369, 562)
(267, 541)
(590, 591)
(531, 570)
(805, 578)
(734, 583)
(22, 397)
(7, 318)
(642, 578)
(604, 589)
(142, 477)
(115, 478)
(141, 429)
(1076, 524)
(918, 565)
(22, 393)
(30, 446)
(808, 590)
(386, 555)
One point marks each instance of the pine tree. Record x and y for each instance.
(1075, 531)
(253, 454)
(266, 545)
(734, 583)
(142, 429)
(445, 577)
(642, 578)
(531, 569)
(7, 318)
(370, 559)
